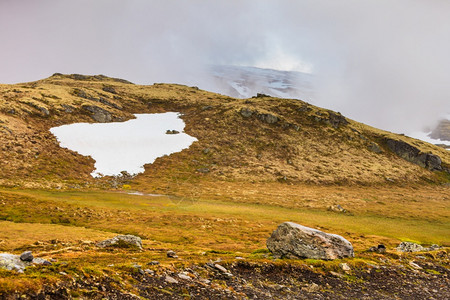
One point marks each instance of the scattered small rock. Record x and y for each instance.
(311, 288)
(220, 268)
(172, 254)
(379, 249)
(415, 266)
(153, 263)
(337, 208)
(336, 274)
(170, 279)
(184, 276)
(345, 267)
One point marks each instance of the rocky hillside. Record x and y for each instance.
(259, 139)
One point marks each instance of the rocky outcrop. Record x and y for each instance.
(267, 118)
(98, 114)
(291, 240)
(122, 241)
(336, 119)
(412, 154)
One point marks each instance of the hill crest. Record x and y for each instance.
(259, 139)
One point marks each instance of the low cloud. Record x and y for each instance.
(380, 62)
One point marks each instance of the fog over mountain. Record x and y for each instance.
(385, 63)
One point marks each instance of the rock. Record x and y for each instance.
(98, 114)
(220, 268)
(203, 170)
(170, 279)
(26, 256)
(374, 148)
(345, 267)
(336, 119)
(433, 247)
(291, 240)
(13, 262)
(412, 154)
(109, 89)
(172, 131)
(122, 241)
(150, 272)
(304, 108)
(41, 261)
(246, 113)
(381, 249)
(337, 208)
(184, 276)
(268, 118)
(153, 263)
(172, 254)
(415, 266)
(410, 247)
(261, 95)
(311, 288)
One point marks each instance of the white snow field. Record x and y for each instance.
(125, 146)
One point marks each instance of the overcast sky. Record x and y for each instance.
(382, 62)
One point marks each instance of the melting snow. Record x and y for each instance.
(125, 146)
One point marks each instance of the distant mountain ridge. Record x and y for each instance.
(245, 82)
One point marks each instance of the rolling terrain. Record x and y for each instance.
(258, 162)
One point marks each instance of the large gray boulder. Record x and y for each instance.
(291, 240)
(122, 241)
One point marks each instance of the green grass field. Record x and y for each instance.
(203, 224)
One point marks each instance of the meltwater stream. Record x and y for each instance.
(125, 146)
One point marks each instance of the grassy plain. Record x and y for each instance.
(236, 222)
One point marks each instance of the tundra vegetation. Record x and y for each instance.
(258, 162)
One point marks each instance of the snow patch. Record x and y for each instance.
(125, 146)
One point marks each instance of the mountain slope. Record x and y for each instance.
(259, 139)
(217, 201)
